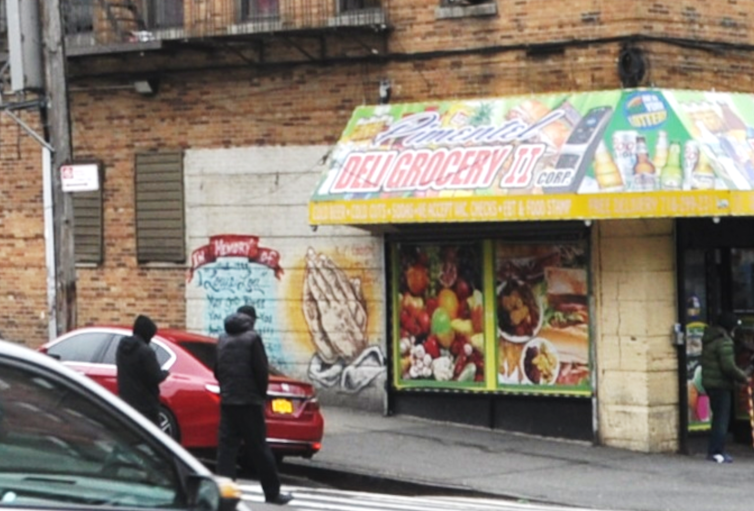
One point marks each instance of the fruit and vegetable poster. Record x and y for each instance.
(439, 304)
(542, 318)
(602, 154)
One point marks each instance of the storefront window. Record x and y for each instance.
(695, 271)
(541, 295)
(492, 316)
(695, 288)
(742, 290)
(742, 265)
(716, 279)
(440, 315)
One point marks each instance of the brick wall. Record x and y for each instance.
(23, 315)
(247, 107)
(243, 107)
(237, 104)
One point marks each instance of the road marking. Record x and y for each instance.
(318, 499)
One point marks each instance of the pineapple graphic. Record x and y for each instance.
(482, 115)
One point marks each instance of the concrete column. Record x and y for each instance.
(634, 275)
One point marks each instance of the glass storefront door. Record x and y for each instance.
(742, 298)
(716, 273)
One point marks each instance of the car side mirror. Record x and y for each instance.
(212, 494)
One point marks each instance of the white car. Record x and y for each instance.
(66, 442)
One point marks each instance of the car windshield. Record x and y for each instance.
(60, 445)
(206, 353)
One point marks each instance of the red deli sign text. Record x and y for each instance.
(414, 166)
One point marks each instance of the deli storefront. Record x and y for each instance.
(542, 252)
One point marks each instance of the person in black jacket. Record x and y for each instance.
(242, 371)
(139, 373)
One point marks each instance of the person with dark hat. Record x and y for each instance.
(242, 370)
(720, 374)
(139, 372)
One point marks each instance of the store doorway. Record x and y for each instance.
(716, 273)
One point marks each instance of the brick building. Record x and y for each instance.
(207, 180)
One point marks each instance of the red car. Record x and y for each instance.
(190, 396)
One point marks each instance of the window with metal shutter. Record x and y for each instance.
(87, 226)
(160, 233)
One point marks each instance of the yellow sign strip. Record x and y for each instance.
(742, 203)
(532, 207)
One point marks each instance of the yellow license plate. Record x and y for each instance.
(282, 406)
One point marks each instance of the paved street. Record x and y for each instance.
(367, 450)
(336, 500)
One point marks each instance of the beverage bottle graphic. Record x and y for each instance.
(709, 138)
(605, 170)
(732, 122)
(690, 160)
(671, 176)
(624, 154)
(703, 176)
(661, 150)
(645, 174)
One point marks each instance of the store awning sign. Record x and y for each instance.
(609, 154)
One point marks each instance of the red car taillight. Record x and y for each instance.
(214, 391)
(312, 405)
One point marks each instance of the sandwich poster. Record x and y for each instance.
(542, 318)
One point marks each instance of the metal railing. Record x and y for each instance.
(102, 22)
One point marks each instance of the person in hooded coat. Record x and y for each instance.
(720, 375)
(139, 372)
(242, 370)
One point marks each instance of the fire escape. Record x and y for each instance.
(252, 30)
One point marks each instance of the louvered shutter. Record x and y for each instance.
(87, 226)
(159, 208)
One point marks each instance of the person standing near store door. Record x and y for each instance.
(720, 375)
(139, 372)
(242, 370)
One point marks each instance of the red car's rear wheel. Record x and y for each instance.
(168, 424)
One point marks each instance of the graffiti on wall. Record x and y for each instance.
(234, 270)
(336, 315)
(323, 316)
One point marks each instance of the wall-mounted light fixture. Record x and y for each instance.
(147, 87)
(632, 65)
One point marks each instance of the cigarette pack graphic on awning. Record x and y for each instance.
(606, 154)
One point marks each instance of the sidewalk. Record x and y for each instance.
(524, 467)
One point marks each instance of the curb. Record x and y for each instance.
(350, 480)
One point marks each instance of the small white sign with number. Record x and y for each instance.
(80, 177)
